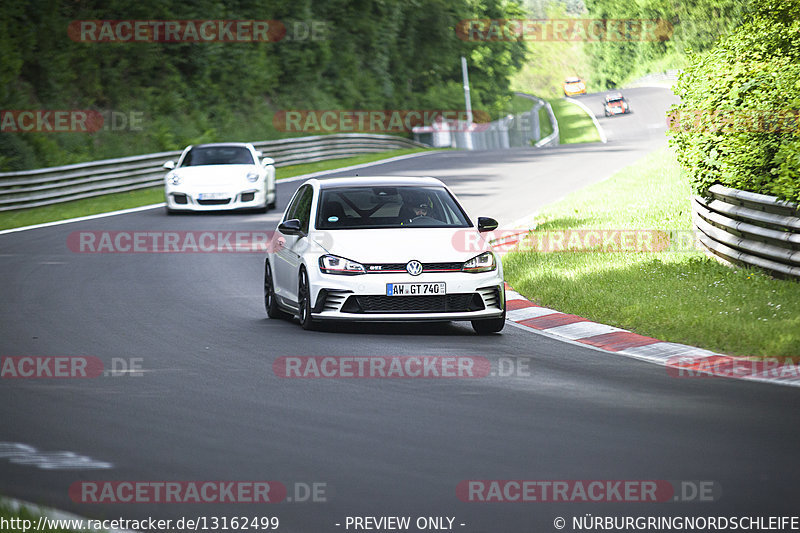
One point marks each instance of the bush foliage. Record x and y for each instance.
(389, 54)
(683, 25)
(738, 122)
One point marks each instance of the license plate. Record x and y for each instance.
(415, 289)
(212, 196)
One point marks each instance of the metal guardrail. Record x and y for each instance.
(553, 138)
(656, 79)
(751, 229)
(512, 131)
(33, 188)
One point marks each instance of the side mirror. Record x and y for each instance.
(290, 227)
(259, 153)
(267, 161)
(169, 165)
(486, 224)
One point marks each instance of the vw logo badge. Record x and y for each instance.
(414, 268)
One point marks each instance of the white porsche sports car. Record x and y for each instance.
(382, 249)
(217, 176)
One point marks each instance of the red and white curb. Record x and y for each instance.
(680, 360)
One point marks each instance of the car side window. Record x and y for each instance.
(303, 208)
(292, 209)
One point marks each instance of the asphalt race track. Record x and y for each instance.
(209, 407)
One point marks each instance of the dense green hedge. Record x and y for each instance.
(738, 123)
(373, 55)
(683, 25)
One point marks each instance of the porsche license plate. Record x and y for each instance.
(212, 196)
(415, 289)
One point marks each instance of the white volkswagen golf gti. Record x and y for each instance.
(382, 249)
(211, 177)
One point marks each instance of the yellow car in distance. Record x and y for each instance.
(574, 86)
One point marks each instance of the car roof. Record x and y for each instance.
(384, 181)
(572, 80)
(245, 145)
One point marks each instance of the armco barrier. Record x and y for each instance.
(748, 228)
(512, 131)
(32, 188)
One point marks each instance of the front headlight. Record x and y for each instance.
(174, 179)
(252, 176)
(482, 263)
(331, 264)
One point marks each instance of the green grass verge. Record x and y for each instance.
(126, 200)
(574, 125)
(520, 104)
(680, 296)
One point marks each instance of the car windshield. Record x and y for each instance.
(388, 207)
(218, 155)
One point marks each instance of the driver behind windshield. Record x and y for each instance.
(413, 211)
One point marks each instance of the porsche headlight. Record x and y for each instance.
(482, 263)
(174, 179)
(252, 176)
(332, 264)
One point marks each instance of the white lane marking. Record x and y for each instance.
(597, 125)
(581, 330)
(156, 206)
(662, 351)
(514, 295)
(23, 454)
(529, 312)
(79, 219)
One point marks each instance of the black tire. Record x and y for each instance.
(304, 302)
(270, 303)
(490, 325)
(170, 212)
(274, 202)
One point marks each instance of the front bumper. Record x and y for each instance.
(363, 297)
(181, 200)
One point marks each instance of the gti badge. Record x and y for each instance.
(414, 267)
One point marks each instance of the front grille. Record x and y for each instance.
(248, 196)
(180, 199)
(391, 268)
(214, 202)
(444, 303)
